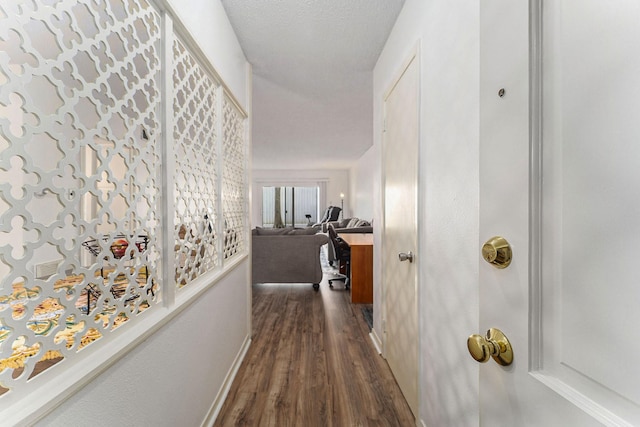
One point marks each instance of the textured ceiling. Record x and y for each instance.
(312, 77)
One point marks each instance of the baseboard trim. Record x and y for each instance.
(377, 343)
(226, 385)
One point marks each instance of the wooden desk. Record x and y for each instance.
(361, 280)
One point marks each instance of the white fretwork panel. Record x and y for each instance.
(80, 181)
(234, 200)
(195, 142)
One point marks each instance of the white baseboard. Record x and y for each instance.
(226, 385)
(377, 343)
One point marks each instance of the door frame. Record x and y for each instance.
(414, 54)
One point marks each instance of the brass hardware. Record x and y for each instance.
(496, 345)
(404, 257)
(497, 252)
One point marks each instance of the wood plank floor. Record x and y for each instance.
(312, 363)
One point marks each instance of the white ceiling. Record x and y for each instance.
(312, 77)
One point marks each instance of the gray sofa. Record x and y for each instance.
(286, 255)
(348, 225)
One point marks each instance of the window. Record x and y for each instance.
(289, 206)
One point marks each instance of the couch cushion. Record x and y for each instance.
(362, 223)
(361, 229)
(302, 232)
(272, 231)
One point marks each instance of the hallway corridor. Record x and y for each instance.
(312, 363)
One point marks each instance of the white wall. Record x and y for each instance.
(174, 376)
(332, 183)
(448, 31)
(208, 23)
(362, 177)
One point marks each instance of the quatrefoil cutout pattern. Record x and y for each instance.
(80, 173)
(234, 201)
(195, 142)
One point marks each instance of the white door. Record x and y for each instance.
(560, 181)
(400, 154)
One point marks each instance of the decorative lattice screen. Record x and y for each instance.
(81, 176)
(195, 108)
(233, 179)
(79, 103)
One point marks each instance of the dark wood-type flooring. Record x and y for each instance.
(312, 363)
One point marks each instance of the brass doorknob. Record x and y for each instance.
(495, 345)
(497, 252)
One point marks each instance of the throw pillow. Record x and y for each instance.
(343, 223)
(352, 223)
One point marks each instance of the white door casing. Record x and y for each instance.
(400, 157)
(559, 179)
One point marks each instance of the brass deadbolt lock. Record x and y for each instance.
(497, 252)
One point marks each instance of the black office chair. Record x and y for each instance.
(343, 255)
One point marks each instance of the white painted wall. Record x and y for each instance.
(174, 376)
(334, 182)
(448, 215)
(208, 23)
(362, 177)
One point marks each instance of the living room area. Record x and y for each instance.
(314, 193)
